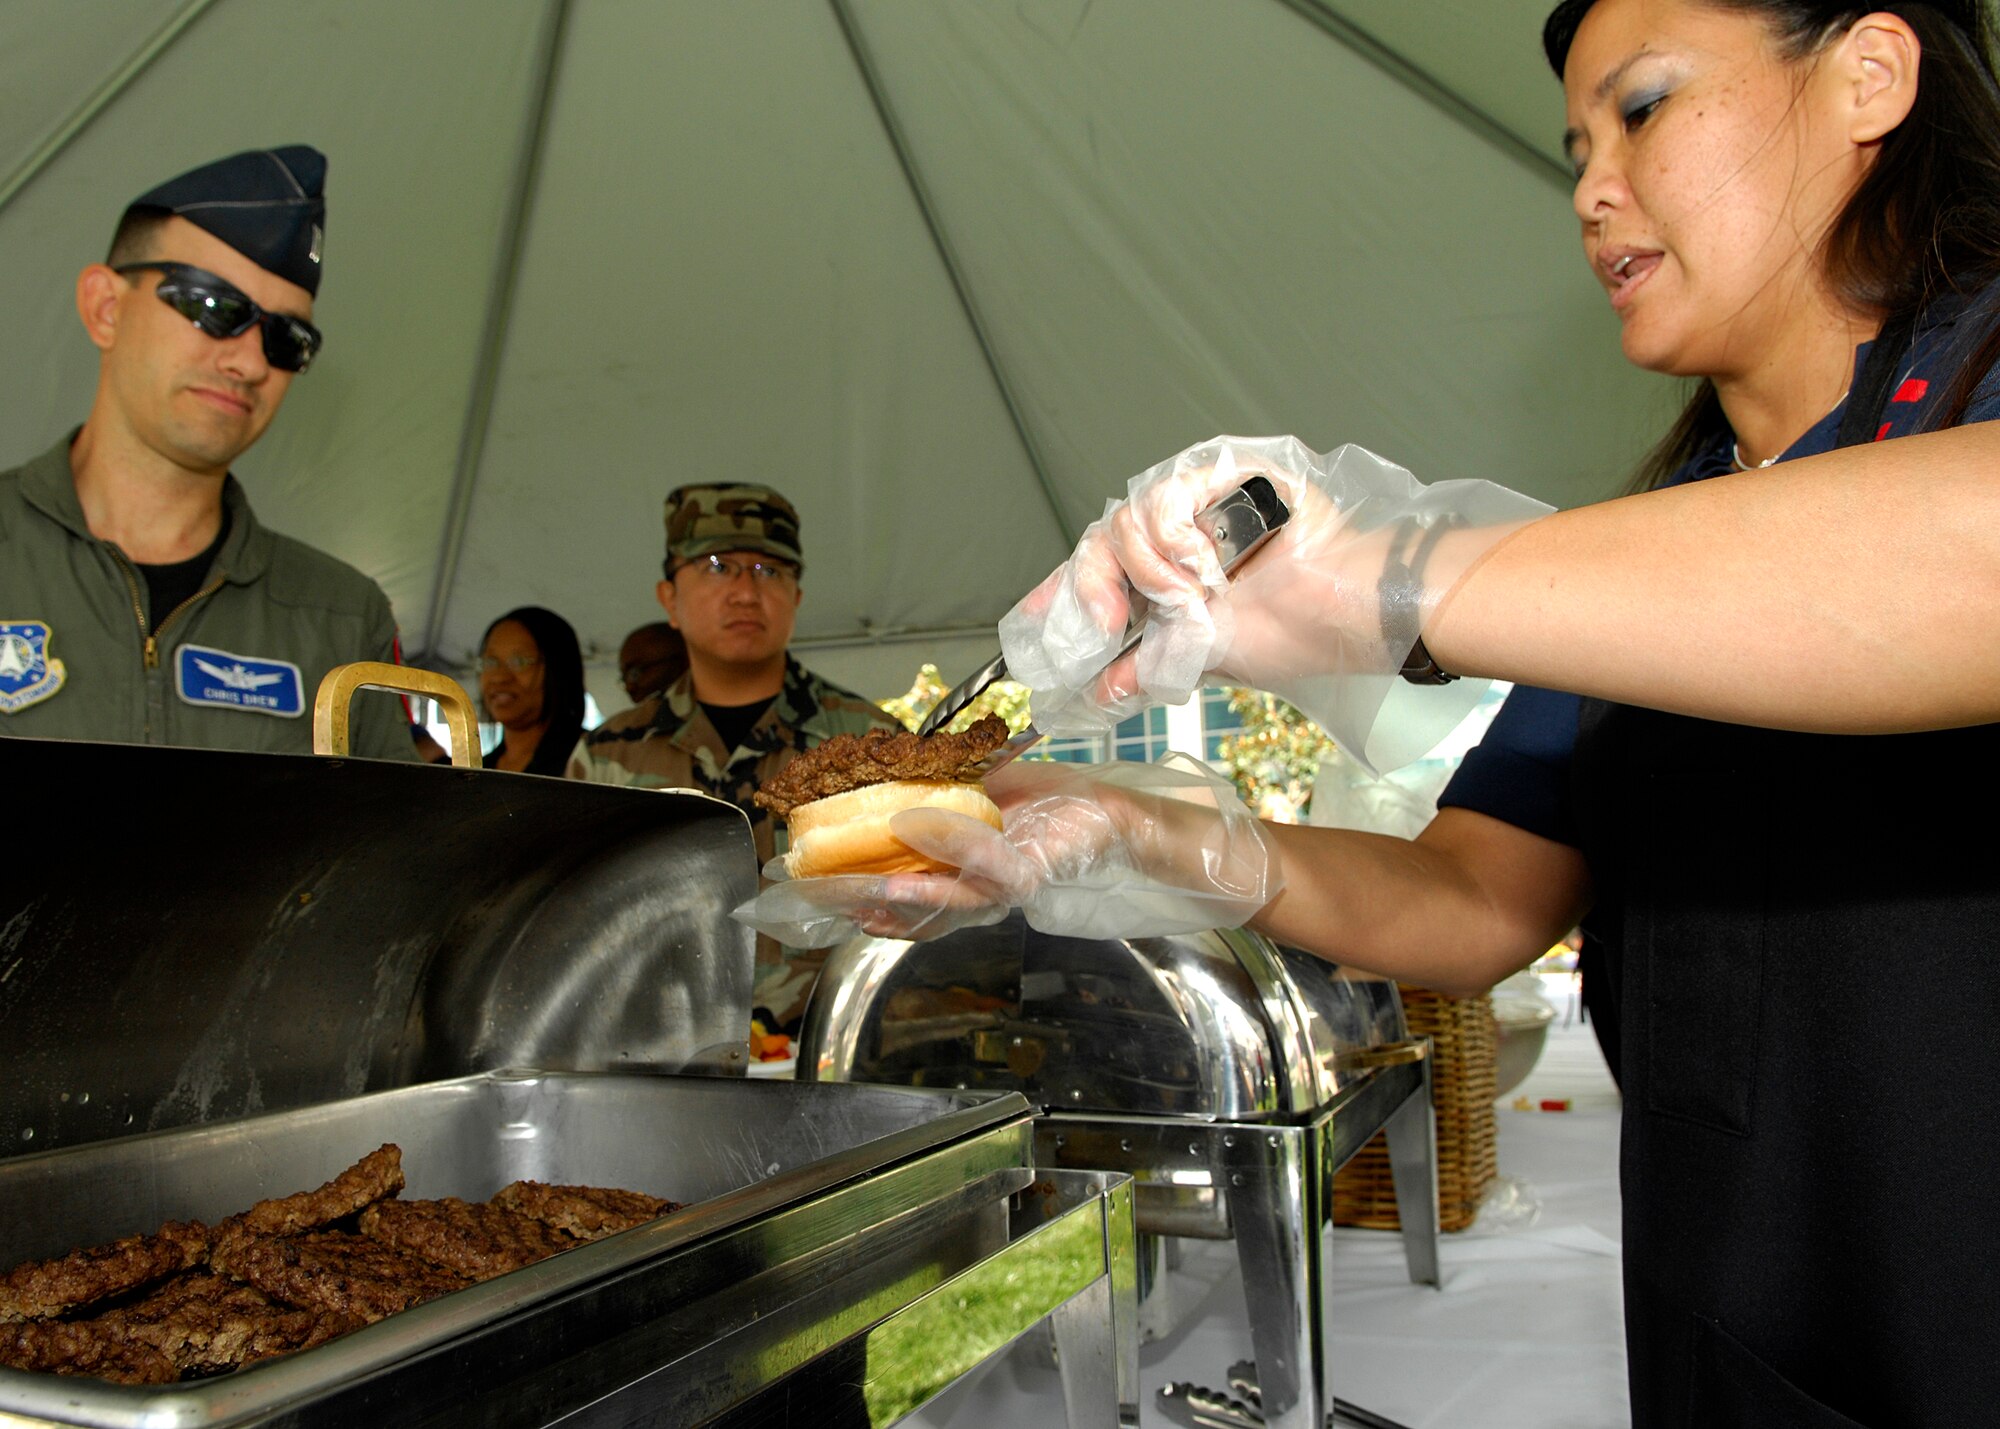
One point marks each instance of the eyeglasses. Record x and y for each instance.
(519, 664)
(723, 570)
(222, 310)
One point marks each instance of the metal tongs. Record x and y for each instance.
(1238, 524)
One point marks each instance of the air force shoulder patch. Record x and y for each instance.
(28, 674)
(239, 682)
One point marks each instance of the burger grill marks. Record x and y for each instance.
(855, 761)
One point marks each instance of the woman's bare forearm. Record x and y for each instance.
(1854, 592)
(1469, 901)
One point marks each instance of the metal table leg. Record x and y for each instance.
(1412, 1137)
(1278, 1207)
(1097, 1332)
(1279, 1182)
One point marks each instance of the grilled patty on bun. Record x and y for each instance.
(838, 798)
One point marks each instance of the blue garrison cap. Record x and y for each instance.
(267, 204)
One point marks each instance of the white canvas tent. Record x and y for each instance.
(945, 271)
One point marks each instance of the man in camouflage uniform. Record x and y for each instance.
(745, 708)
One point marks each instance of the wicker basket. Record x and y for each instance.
(1464, 1053)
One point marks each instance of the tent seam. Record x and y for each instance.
(871, 81)
(100, 99)
(1325, 17)
(493, 341)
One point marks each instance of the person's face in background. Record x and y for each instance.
(730, 615)
(1709, 166)
(199, 401)
(650, 659)
(511, 676)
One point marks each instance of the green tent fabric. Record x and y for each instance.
(946, 272)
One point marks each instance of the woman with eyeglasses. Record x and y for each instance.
(531, 683)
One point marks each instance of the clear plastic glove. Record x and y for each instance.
(1089, 851)
(1324, 616)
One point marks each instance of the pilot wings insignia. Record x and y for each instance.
(240, 676)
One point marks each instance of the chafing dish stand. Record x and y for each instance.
(1228, 1076)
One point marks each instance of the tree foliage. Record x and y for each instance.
(1005, 698)
(1274, 758)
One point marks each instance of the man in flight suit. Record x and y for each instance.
(745, 708)
(140, 599)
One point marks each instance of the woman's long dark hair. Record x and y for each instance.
(1924, 221)
(562, 684)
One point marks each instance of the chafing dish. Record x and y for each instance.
(851, 1248)
(1228, 1076)
(249, 969)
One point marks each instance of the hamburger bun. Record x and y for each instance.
(849, 832)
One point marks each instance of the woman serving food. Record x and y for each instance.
(1756, 704)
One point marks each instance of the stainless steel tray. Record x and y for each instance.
(802, 1197)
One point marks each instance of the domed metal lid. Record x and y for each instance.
(1222, 1024)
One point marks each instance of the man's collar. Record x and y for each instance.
(49, 485)
(246, 555)
(794, 703)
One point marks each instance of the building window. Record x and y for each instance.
(1217, 720)
(1142, 738)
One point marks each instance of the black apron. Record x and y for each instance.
(1807, 963)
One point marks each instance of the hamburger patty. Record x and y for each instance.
(374, 1177)
(333, 1270)
(471, 1238)
(855, 761)
(586, 1212)
(42, 1289)
(83, 1347)
(203, 1324)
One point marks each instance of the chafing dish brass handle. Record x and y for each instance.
(1389, 1054)
(336, 692)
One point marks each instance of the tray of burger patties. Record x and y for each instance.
(188, 1300)
(303, 1251)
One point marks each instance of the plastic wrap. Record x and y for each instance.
(1325, 616)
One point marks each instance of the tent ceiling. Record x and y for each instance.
(581, 252)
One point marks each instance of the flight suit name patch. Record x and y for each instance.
(215, 678)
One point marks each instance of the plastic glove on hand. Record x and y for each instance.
(820, 912)
(1119, 850)
(1325, 615)
(1145, 561)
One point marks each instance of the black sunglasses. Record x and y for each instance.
(222, 310)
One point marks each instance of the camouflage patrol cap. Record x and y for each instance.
(709, 518)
